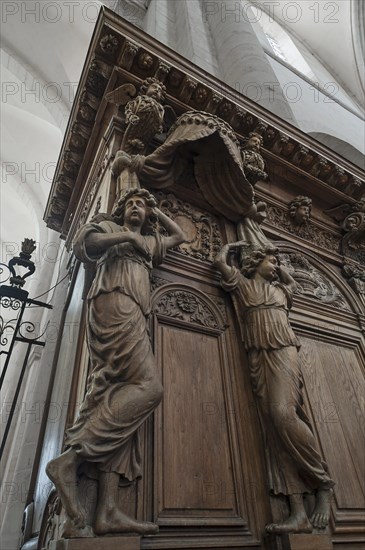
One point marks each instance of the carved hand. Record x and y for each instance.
(139, 243)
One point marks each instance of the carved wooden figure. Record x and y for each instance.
(123, 388)
(253, 163)
(262, 294)
(300, 210)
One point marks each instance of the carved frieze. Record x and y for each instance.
(186, 306)
(87, 204)
(204, 239)
(278, 217)
(311, 282)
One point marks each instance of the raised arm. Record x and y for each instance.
(286, 278)
(221, 262)
(175, 234)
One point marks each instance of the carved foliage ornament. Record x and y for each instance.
(186, 306)
(311, 282)
(201, 228)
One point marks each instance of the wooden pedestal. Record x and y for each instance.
(98, 543)
(306, 542)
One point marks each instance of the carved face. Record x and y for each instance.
(135, 211)
(267, 268)
(254, 143)
(302, 214)
(154, 90)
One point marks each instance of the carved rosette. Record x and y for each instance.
(278, 217)
(188, 307)
(311, 282)
(204, 239)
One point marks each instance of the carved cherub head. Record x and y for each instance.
(152, 87)
(254, 142)
(300, 209)
(149, 201)
(256, 259)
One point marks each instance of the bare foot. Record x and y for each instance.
(62, 471)
(290, 525)
(70, 531)
(115, 521)
(321, 513)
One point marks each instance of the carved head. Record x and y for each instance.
(153, 88)
(135, 207)
(300, 209)
(262, 260)
(254, 142)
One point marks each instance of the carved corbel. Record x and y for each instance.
(71, 163)
(81, 130)
(162, 71)
(78, 142)
(213, 103)
(129, 53)
(355, 187)
(145, 61)
(97, 78)
(101, 68)
(299, 154)
(200, 95)
(188, 88)
(175, 78)
(279, 143)
(64, 186)
(338, 178)
(321, 168)
(261, 128)
(226, 111)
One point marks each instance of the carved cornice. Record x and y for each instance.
(124, 52)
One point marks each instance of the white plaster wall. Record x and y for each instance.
(315, 112)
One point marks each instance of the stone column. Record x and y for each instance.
(242, 61)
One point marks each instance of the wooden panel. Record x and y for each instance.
(334, 387)
(196, 469)
(198, 473)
